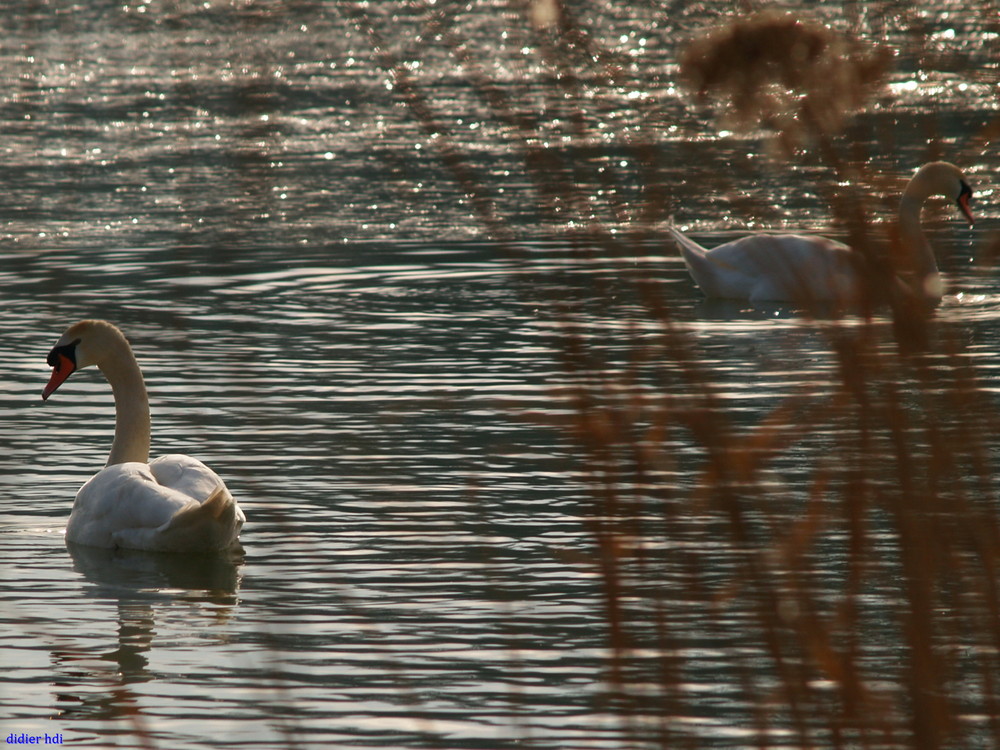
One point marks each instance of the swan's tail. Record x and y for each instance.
(702, 269)
(212, 525)
(218, 503)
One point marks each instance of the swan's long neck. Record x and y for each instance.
(131, 407)
(919, 257)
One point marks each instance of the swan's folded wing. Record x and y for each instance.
(790, 267)
(122, 499)
(186, 475)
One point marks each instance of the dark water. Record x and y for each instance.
(374, 358)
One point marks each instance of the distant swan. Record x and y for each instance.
(808, 268)
(173, 504)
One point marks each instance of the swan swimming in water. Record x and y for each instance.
(809, 268)
(172, 504)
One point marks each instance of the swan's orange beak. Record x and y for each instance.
(62, 369)
(963, 203)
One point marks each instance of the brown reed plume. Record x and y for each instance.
(777, 71)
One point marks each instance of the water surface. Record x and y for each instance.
(380, 373)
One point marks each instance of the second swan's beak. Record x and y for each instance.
(964, 198)
(63, 367)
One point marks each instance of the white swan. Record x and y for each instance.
(175, 503)
(812, 269)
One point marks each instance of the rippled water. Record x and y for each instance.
(322, 316)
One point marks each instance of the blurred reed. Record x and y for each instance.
(896, 539)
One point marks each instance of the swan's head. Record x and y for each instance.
(944, 179)
(83, 344)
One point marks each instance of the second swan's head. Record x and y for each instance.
(84, 343)
(944, 179)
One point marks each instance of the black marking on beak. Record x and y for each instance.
(964, 199)
(66, 350)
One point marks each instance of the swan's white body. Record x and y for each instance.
(172, 504)
(777, 267)
(812, 269)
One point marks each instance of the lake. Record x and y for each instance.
(399, 273)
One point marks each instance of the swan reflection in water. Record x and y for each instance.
(143, 585)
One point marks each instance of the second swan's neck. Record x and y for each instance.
(131, 407)
(917, 258)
